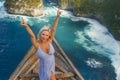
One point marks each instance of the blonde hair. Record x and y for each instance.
(44, 28)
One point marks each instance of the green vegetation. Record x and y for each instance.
(107, 11)
(24, 7)
(31, 3)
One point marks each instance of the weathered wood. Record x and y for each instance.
(16, 72)
(60, 67)
(31, 68)
(57, 75)
(29, 75)
(65, 56)
(64, 75)
(27, 69)
(61, 57)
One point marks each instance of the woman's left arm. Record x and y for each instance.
(53, 31)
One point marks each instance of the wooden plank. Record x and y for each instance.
(65, 56)
(57, 54)
(61, 63)
(29, 63)
(57, 75)
(60, 67)
(64, 75)
(31, 67)
(15, 73)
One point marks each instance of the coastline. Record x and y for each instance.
(98, 10)
(91, 17)
(101, 21)
(106, 20)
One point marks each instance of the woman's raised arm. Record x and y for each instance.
(30, 32)
(53, 30)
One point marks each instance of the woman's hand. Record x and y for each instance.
(59, 13)
(23, 23)
(31, 34)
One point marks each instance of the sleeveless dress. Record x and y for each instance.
(47, 63)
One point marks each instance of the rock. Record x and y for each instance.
(107, 12)
(25, 7)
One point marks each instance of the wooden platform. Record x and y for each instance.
(28, 67)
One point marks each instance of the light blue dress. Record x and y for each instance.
(47, 63)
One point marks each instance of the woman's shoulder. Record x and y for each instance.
(37, 45)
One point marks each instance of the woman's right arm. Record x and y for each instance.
(32, 36)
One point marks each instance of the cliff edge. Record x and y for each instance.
(106, 11)
(24, 7)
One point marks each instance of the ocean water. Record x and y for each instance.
(89, 45)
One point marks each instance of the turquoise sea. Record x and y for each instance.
(89, 44)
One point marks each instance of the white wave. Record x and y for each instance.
(1, 3)
(3, 13)
(93, 63)
(13, 18)
(52, 3)
(101, 41)
(116, 63)
(52, 11)
(48, 12)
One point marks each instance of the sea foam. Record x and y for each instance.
(101, 42)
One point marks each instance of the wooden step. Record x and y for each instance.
(58, 75)
(64, 75)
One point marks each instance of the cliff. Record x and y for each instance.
(24, 7)
(106, 11)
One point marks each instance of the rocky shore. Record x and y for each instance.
(106, 12)
(24, 7)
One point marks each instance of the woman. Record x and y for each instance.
(45, 50)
